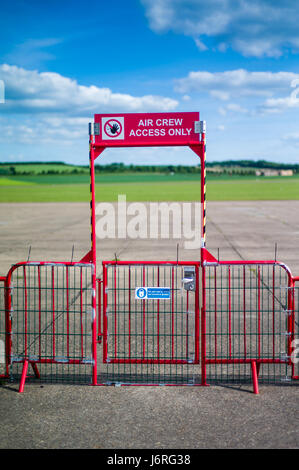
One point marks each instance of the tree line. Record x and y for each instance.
(242, 167)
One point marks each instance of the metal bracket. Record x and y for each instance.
(199, 127)
(189, 278)
(61, 359)
(286, 379)
(94, 128)
(88, 361)
(284, 357)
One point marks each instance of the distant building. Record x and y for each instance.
(286, 172)
(271, 172)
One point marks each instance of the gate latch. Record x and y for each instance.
(189, 278)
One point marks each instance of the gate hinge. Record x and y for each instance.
(61, 359)
(286, 379)
(94, 128)
(88, 360)
(199, 127)
(284, 357)
(15, 358)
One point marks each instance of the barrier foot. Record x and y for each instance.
(258, 366)
(254, 378)
(35, 370)
(23, 377)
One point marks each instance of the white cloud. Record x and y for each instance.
(278, 90)
(253, 27)
(275, 105)
(292, 137)
(236, 108)
(33, 92)
(32, 52)
(236, 83)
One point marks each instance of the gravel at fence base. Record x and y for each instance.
(230, 416)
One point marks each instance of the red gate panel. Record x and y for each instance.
(161, 331)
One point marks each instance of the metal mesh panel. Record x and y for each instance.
(149, 341)
(51, 320)
(247, 318)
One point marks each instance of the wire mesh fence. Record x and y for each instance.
(152, 340)
(203, 325)
(295, 352)
(248, 318)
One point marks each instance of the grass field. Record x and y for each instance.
(146, 187)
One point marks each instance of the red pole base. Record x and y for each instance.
(254, 378)
(35, 370)
(23, 377)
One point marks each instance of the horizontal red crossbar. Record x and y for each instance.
(245, 361)
(154, 263)
(148, 361)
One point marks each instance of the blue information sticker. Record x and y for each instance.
(152, 293)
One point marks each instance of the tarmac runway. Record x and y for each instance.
(75, 416)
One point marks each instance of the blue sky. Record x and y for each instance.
(234, 61)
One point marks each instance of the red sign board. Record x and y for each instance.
(122, 130)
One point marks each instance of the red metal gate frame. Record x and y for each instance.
(7, 280)
(197, 313)
(207, 259)
(95, 150)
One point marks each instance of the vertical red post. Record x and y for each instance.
(105, 314)
(229, 313)
(172, 312)
(203, 187)
(244, 311)
(67, 314)
(81, 313)
(203, 324)
(197, 314)
(259, 312)
(35, 370)
(94, 260)
(100, 282)
(25, 310)
(115, 314)
(53, 312)
(129, 299)
(158, 318)
(215, 301)
(273, 313)
(39, 311)
(143, 317)
(291, 319)
(187, 325)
